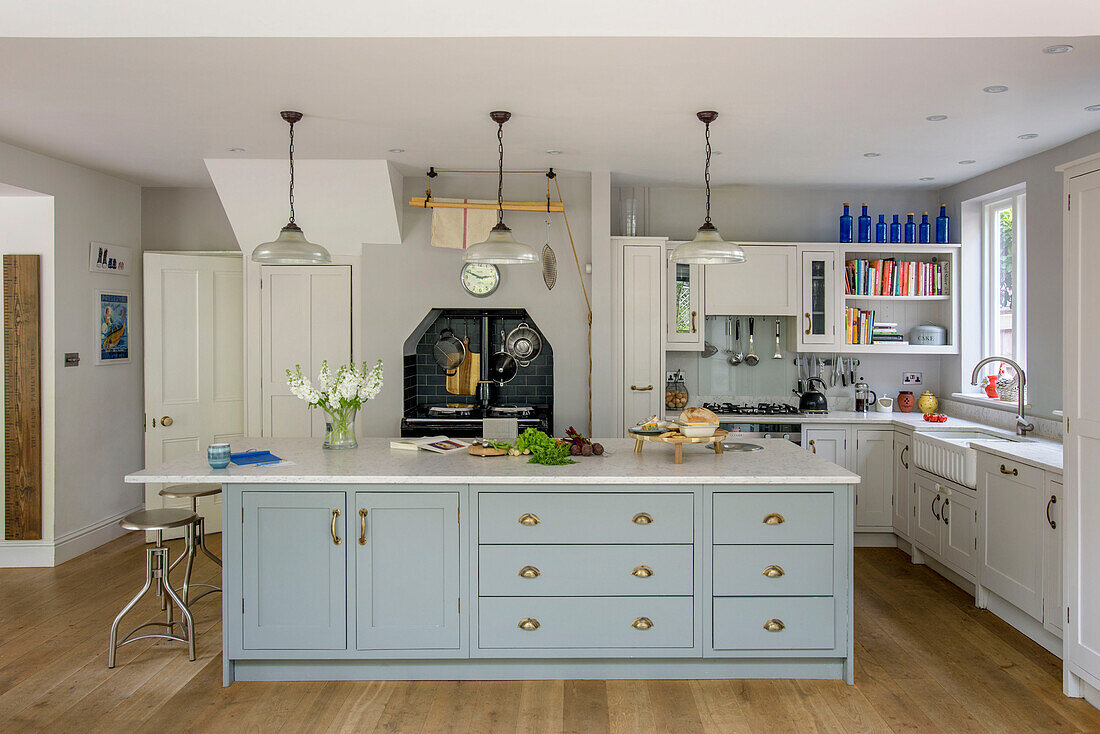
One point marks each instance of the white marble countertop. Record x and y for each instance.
(374, 462)
(1042, 454)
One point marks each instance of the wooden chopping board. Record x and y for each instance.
(464, 381)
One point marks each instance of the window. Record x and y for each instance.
(1003, 285)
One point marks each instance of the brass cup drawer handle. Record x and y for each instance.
(528, 624)
(529, 572)
(774, 518)
(362, 527)
(529, 518)
(774, 625)
(332, 528)
(647, 388)
(1013, 472)
(642, 623)
(773, 572)
(642, 572)
(642, 518)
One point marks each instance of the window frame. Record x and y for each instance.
(1017, 200)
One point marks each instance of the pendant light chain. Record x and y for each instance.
(292, 173)
(706, 175)
(500, 179)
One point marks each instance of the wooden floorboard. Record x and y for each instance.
(927, 660)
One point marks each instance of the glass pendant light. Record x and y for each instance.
(708, 247)
(500, 248)
(291, 246)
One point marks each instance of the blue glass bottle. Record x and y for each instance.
(924, 230)
(880, 229)
(910, 229)
(943, 227)
(895, 230)
(864, 225)
(846, 225)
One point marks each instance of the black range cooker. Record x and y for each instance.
(465, 421)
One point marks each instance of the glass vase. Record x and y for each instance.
(340, 429)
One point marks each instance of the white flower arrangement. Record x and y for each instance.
(336, 393)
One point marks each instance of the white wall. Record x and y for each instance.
(181, 219)
(1044, 264)
(402, 282)
(99, 408)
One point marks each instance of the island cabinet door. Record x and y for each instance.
(406, 551)
(295, 577)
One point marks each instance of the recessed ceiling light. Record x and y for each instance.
(871, 155)
(995, 89)
(927, 178)
(397, 150)
(1028, 136)
(1058, 48)
(553, 152)
(967, 162)
(936, 118)
(1093, 108)
(236, 150)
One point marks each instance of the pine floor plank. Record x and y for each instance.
(629, 708)
(541, 707)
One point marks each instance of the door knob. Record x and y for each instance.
(166, 421)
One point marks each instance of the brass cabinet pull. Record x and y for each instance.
(774, 518)
(529, 518)
(774, 572)
(1053, 501)
(641, 389)
(809, 323)
(644, 572)
(642, 518)
(1014, 472)
(693, 329)
(529, 572)
(362, 527)
(528, 624)
(934, 513)
(943, 510)
(332, 528)
(904, 451)
(813, 447)
(774, 625)
(642, 623)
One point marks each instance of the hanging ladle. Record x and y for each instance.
(735, 357)
(751, 359)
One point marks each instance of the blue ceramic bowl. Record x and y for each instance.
(218, 455)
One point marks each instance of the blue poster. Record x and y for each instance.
(114, 327)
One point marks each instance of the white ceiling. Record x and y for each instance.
(793, 111)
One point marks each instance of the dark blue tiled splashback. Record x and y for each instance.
(425, 383)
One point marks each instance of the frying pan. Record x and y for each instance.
(449, 351)
(502, 366)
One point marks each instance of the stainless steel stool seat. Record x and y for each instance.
(157, 569)
(196, 540)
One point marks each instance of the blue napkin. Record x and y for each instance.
(254, 457)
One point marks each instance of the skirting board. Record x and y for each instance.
(1024, 623)
(47, 553)
(875, 540)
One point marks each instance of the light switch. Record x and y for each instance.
(72, 359)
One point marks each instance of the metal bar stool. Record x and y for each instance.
(157, 570)
(195, 537)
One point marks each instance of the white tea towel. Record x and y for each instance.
(460, 228)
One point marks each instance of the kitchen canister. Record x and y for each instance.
(218, 455)
(885, 405)
(928, 335)
(906, 401)
(928, 402)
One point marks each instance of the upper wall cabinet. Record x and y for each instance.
(766, 283)
(818, 325)
(684, 304)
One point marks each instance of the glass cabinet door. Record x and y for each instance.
(684, 330)
(818, 299)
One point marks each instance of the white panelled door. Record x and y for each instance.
(1081, 263)
(194, 361)
(305, 317)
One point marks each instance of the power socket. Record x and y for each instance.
(911, 378)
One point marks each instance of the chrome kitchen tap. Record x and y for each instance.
(1022, 424)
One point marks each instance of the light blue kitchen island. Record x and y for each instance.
(383, 564)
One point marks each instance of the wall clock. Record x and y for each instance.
(480, 279)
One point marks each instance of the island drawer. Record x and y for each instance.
(774, 623)
(773, 517)
(586, 622)
(585, 517)
(585, 570)
(770, 570)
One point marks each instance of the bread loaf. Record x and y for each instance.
(698, 416)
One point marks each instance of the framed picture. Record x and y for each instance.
(104, 258)
(112, 329)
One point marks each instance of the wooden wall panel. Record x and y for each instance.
(22, 399)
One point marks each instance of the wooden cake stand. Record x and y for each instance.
(678, 440)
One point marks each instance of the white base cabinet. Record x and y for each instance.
(903, 503)
(946, 523)
(864, 451)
